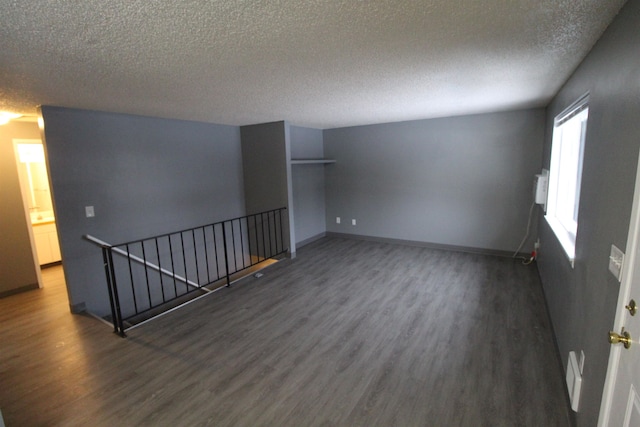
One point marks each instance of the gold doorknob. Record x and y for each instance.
(624, 338)
(632, 307)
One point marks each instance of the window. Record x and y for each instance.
(565, 174)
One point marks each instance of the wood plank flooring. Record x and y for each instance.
(350, 333)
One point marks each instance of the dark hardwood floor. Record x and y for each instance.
(350, 333)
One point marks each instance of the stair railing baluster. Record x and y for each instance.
(226, 257)
(262, 224)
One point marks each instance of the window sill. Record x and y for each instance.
(566, 239)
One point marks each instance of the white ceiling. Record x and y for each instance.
(316, 63)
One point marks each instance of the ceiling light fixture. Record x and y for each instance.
(6, 116)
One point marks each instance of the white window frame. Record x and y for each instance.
(565, 174)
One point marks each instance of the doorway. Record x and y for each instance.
(620, 399)
(37, 201)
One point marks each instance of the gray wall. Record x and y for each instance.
(144, 176)
(582, 300)
(308, 185)
(17, 265)
(264, 162)
(461, 181)
(266, 167)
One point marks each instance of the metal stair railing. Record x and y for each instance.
(149, 277)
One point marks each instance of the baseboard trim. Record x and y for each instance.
(81, 307)
(429, 245)
(19, 290)
(310, 240)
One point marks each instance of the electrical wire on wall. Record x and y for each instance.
(526, 261)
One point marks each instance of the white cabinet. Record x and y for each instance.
(46, 237)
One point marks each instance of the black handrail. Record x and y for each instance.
(141, 285)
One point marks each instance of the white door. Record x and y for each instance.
(621, 397)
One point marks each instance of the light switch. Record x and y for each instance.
(89, 212)
(616, 260)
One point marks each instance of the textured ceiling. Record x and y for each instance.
(316, 63)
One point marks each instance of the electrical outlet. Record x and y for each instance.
(89, 212)
(353, 222)
(536, 245)
(337, 220)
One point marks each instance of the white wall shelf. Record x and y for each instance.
(311, 161)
